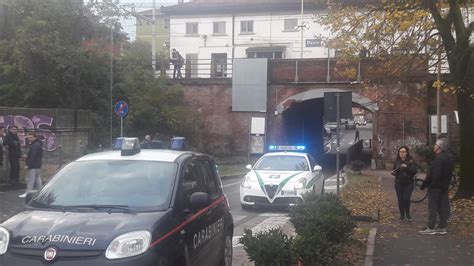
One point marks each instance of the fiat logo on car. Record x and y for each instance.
(50, 254)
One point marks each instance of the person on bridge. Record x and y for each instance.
(404, 170)
(177, 60)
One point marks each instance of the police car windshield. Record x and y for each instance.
(141, 185)
(282, 163)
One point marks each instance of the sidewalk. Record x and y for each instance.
(398, 243)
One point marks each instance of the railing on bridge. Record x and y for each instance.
(214, 68)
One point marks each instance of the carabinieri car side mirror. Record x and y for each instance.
(199, 200)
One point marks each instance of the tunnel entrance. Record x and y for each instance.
(303, 125)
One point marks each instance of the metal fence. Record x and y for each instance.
(202, 68)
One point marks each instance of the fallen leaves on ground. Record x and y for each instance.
(353, 253)
(364, 197)
(462, 220)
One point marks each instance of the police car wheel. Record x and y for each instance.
(226, 259)
(246, 207)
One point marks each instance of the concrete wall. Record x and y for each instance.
(56, 126)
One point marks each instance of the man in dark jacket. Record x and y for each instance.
(14, 153)
(2, 132)
(34, 160)
(437, 181)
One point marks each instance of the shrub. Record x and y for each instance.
(271, 248)
(322, 225)
(357, 166)
(425, 152)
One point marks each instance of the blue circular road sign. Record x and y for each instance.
(121, 109)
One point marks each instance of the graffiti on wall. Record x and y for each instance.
(381, 140)
(41, 124)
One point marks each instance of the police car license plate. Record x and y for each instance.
(288, 192)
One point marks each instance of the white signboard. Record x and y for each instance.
(434, 124)
(258, 126)
(257, 144)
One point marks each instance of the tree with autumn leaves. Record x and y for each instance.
(409, 35)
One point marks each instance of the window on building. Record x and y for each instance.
(246, 26)
(269, 55)
(192, 28)
(219, 27)
(291, 24)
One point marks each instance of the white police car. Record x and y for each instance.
(281, 178)
(128, 207)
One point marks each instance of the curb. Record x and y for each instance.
(369, 253)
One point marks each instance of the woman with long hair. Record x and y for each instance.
(404, 170)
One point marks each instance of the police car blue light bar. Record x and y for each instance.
(130, 146)
(286, 148)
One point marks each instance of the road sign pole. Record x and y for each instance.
(337, 145)
(121, 126)
(121, 109)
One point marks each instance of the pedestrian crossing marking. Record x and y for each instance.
(273, 222)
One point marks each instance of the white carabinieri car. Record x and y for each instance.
(280, 179)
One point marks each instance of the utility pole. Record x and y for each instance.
(302, 28)
(153, 41)
(338, 117)
(438, 97)
(111, 79)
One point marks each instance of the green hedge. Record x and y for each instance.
(322, 225)
(272, 248)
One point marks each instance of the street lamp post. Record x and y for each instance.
(302, 28)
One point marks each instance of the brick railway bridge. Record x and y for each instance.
(295, 109)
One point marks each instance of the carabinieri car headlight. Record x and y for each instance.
(4, 239)
(128, 245)
(300, 184)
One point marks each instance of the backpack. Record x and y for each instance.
(180, 59)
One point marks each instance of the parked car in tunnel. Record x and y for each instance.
(332, 126)
(350, 124)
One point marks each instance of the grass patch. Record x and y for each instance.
(231, 165)
(231, 169)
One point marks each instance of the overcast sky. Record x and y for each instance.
(129, 25)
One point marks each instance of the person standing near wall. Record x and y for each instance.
(146, 144)
(34, 161)
(14, 153)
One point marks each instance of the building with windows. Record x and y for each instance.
(210, 33)
(145, 30)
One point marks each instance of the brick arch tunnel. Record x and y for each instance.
(302, 117)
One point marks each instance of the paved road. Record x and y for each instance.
(348, 136)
